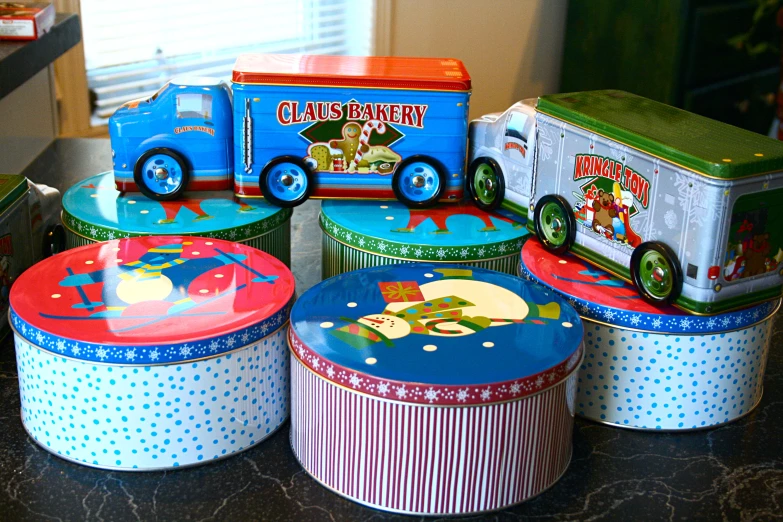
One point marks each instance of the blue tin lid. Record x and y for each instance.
(94, 209)
(447, 232)
(599, 296)
(436, 334)
(151, 300)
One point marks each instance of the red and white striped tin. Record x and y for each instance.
(401, 410)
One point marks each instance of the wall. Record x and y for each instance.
(512, 48)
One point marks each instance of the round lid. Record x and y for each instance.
(599, 296)
(94, 209)
(447, 232)
(436, 334)
(151, 300)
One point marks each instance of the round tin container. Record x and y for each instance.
(656, 368)
(360, 234)
(152, 352)
(93, 211)
(433, 389)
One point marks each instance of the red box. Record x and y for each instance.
(25, 21)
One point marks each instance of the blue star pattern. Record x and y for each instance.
(142, 355)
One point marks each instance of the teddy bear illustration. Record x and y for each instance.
(454, 306)
(605, 212)
(350, 142)
(756, 255)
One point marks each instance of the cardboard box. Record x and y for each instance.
(25, 21)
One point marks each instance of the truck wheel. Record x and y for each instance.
(486, 184)
(53, 241)
(418, 181)
(555, 224)
(286, 181)
(656, 272)
(161, 174)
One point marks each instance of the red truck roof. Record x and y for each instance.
(382, 72)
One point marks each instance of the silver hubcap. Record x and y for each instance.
(488, 183)
(556, 224)
(658, 274)
(418, 181)
(287, 180)
(161, 173)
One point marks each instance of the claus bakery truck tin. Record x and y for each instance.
(360, 234)
(93, 210)
(688, 209)
(365, 127)
(152, 352)
(433, 389)
(656, 368)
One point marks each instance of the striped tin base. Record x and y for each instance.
(143, 418)
(276, 242)
(338, 258)
(430, 460)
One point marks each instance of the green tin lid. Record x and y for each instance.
(12, 187)
(94, 209)
(701, 144)
(449, 232)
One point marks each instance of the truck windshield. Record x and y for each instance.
(155, 96)
(194, 106)
(754, 243)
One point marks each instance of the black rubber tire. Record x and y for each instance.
(299, 162)
(139, 179)
(671, 258)
(471, 183)
(570, 223)
(53, 241)
(439, 169)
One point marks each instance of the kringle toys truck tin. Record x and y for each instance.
(152, 352)
(433, 389)
(656, 368)
(350, 127)
(29, 231)
(688, 209)
(360, 234)
(94, 211)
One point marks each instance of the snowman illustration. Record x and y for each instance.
(161, 274)
(454, 306)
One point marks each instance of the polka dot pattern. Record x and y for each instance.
(671, 381)
(154, 417)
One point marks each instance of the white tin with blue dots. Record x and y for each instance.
(153, 352)
(656, 368)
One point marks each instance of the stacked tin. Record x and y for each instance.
(656, 368)
(361, 234)
(152, 352)
(93, 210)
(433, 388)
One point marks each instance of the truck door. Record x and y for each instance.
(518, 151)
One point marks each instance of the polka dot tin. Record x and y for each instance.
(152, 352)
(433, 389)
(656, 368)
(360, 234)
(93, 211)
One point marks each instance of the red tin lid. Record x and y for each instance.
(382, 72)
(152, 300)
(602, 297)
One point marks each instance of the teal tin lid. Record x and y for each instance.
(94, 209)
(448, 232)
(12, 187)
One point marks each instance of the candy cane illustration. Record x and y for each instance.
(369, 126)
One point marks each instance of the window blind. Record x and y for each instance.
(133, 48)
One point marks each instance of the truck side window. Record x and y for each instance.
(194, 106)
(518, 127)
(754, 242)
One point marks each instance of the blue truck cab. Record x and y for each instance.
(181, 138)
